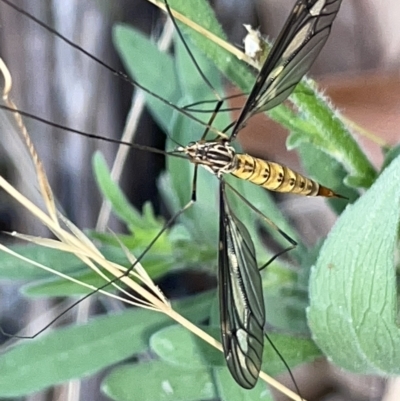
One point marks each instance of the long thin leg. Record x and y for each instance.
(190, 53)
(220, 101)
(215, 112)
(269, 222)
(127, 272)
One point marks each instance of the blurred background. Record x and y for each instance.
(358, 68)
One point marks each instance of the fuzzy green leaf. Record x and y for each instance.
(353, 310)
(331, 135)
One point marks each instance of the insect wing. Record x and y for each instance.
(297, 46)
(242, 311)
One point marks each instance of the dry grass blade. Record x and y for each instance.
(209, 35)
(45, 189)
(59, 274)
(138, 104)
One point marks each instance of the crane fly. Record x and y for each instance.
(242, 312)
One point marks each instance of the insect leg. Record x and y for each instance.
(270, 223)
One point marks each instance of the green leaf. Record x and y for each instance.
(81, 350)
(181, 128)
(157, 380)
(13, 268)
(184, 130)
(137, 242)
(157, 263)
(202, 14)
(134, 47)
(120, 204)
(60, 287)
(177, 346)
(330, 134)
(75, 351)
(353, 297)
(327, 171)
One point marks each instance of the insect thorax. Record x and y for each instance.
(215, 156)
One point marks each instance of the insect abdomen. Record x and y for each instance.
(275, 177)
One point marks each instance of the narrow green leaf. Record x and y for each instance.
(331, 135)
(137, 242)
(181, 128)
(60, 287)
(353, 309)
(149, 215)
(120, 204)
(157, 263)
(13, 268)
(75, 351)
(184, 131)
(157, 380)
(133, 47)
(201, 13)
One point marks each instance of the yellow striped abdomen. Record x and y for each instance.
(275, 177)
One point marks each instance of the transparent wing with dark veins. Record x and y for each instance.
(297, 46)
(242, 311)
